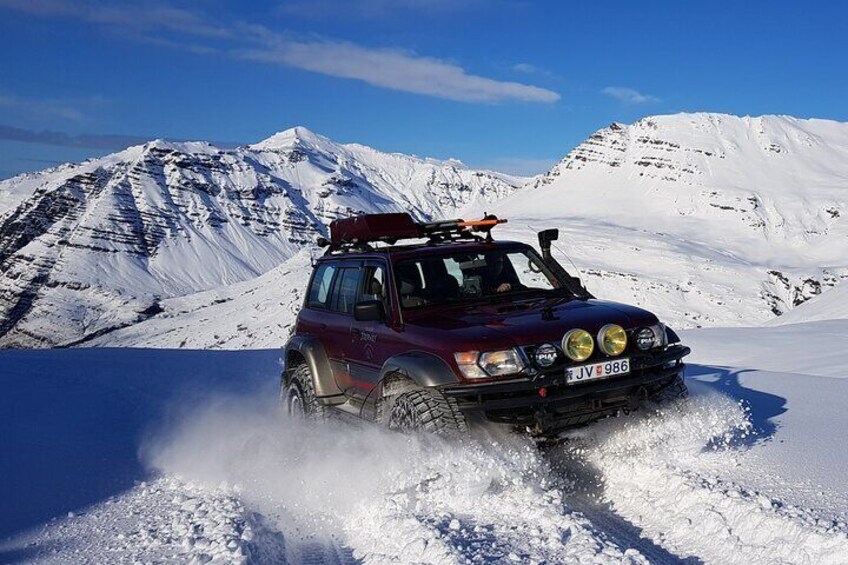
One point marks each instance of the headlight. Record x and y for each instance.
(545, 355)
(650, 337)
(578, 345)
(612, 340)
(476, 365)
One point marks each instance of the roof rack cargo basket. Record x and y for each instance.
(359, 231)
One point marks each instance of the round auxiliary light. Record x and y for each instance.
(545, 355)
(612, 339)
(646, 339)
(578, 345)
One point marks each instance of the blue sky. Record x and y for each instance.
(511, 85)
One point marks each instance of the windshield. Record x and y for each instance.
(466, 277)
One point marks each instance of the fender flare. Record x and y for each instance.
(311, 350)
(422, 368)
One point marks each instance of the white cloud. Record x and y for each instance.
(525, 68)
(530, 69)
(134, 16)
(395, 69)
(628, 95)
(373, 9)
(68, 110)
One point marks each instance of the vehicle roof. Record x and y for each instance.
(421, 249)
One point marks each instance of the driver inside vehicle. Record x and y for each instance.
(500, 275)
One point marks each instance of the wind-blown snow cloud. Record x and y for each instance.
(628, 95)
(395, 69)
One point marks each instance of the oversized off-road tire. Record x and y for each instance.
(670, 391)
(298, 398)
(424, 410)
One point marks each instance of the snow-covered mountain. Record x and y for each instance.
(829, 305)
(86, 248)
(708, 219)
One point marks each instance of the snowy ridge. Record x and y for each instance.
(829, 305)
(677, 245)
(712, 220)
(255, 314)
(706, 219)
(91, 247)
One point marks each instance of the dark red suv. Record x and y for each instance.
(456, 327)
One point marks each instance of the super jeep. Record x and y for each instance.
(455, 327)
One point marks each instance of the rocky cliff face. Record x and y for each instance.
(90, 247)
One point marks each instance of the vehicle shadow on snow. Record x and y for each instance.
(762, 407)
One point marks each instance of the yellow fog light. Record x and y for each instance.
(578, 345)
(612, 339)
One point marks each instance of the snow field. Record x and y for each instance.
(162, 520)
(751, 469)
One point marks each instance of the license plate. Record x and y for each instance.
(611, 368)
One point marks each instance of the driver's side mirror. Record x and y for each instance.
(369, 311)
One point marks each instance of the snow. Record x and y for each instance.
(259, 313)
(830, 305)
(708, 219)
(172, 453)
(93, 247)
(705, 219)
(188, 458)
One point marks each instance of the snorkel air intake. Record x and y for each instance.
(573, 284)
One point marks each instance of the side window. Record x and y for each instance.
(346, 290)
(529, 272)
(319, 293)
(374, 287)
(454, 270)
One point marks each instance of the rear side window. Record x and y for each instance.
(319, 293)
(347, 290)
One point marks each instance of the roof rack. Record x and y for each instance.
(358, 232)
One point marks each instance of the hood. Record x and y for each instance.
(507, 324)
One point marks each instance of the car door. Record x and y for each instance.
(344, 296)
(373, 342)
(365, 371)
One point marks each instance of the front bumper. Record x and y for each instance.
(520, 402)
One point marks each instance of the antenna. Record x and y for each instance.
(576, 270)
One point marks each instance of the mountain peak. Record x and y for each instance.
(292, 137)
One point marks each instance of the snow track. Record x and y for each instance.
(647, 488)
(659, 472)
(239, 484)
